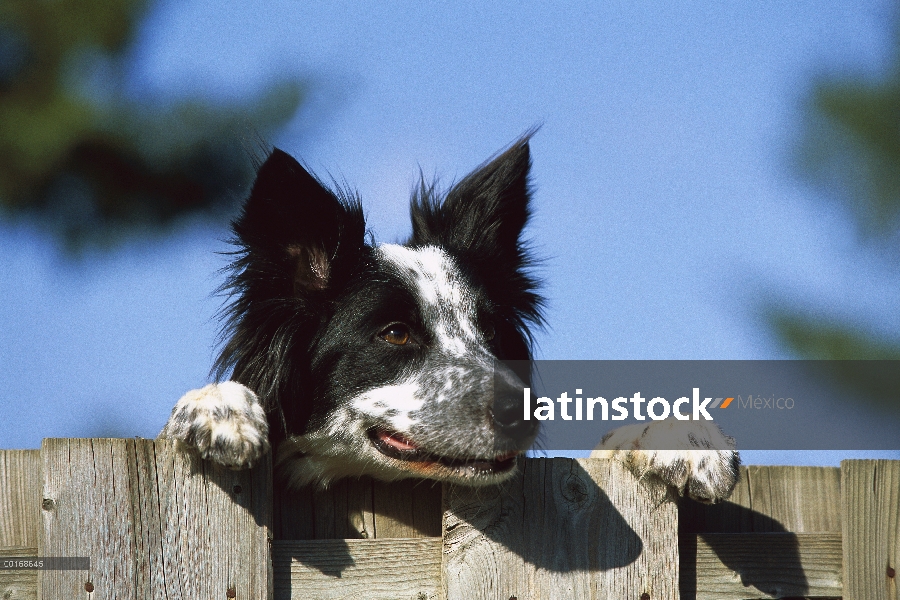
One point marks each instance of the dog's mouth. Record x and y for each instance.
(399, 447)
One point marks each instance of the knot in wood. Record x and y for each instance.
(89, 587)
(574, 490)
(231, 593)
(48, 504)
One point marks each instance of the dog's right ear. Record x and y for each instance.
(299, 236)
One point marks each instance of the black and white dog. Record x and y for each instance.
(353, 359)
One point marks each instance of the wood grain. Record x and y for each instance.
(871, 529)
(156, 522)
(396, 569)
(797, 499)
(159, 523)
(736, 566)
(359, 509)
(771, 499)
(20, 498)
(406, 509)
(18, 584)
(561, 528)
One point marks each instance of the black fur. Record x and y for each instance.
(308, 298)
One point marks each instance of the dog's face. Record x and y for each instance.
(383, 360)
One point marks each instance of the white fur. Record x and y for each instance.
(224, 421)
(699, 460)
(439, 286)
(392, 404)
(227, 424)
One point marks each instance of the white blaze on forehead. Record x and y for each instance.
(439, 285)
(435, 275)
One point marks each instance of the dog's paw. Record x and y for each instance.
(224, 422)
(698, 460)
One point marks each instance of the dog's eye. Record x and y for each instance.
(396, 334)
(488, 331)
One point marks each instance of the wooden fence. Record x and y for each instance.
(159, 524)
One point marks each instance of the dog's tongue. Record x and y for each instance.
(396, 441)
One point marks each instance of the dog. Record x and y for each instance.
(350, 358)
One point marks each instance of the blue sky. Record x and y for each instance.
(665, 204)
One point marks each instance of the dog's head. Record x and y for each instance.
(382, 359)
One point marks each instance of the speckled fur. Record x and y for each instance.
(225, 423)
(311, 371)
(700, 461)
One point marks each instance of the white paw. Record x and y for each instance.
(698, 459)
(223, 421)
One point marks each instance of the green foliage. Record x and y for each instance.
(88, 163)
(822, 340)
(865, 366)
(850, 150)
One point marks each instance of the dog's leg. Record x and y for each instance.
(224, 421)
(698, 460)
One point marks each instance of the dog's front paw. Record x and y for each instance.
(223, 421)
(696, 458)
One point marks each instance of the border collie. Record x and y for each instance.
(352, 358)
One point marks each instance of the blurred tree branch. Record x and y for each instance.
(850, 151)
(93, 166)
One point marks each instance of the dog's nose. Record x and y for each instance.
(509, 417)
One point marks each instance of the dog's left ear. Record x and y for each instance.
(483, 214)
(481, 223)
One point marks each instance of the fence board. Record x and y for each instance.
(155, 522)
(18, 584)
(359, 509)
(871, 529)
(343, 510)
(561, 528)
(160, 523)
(736, 566)
(797, 499)
(293, 510)
(396, 569)
(733, 516)
(410, 508)
(771, 499)
(20, 497)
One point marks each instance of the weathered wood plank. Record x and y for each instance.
(343, 510)
(18, 584)
(20, 497)
(83, 516)
(732, 516)
(736, 566)
(155, 522)
(407, 509)
(796, 499)
(293, 513)
(360, 522)
(396, 569)
(871, 529)
(359, 509)
(561, 528)
(771, 499)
